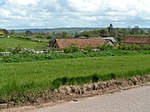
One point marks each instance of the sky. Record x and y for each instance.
(18, 14)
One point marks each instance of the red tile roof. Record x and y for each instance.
(137, 40)
(81, 43)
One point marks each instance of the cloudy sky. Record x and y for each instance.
(73, 13)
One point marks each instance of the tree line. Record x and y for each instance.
(110, 31)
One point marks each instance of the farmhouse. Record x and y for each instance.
(80, 43)
(3, 33)
(140, 40)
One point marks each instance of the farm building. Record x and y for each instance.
(3, 32)
(110, 41)
(80, 43)
(109, 38)
(140, 40)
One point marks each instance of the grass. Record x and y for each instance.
(14, 42)
(16, 79)
(42, 73)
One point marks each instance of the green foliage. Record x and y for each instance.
(26, 56)
(18, 78)
(16, 50)
(104, 33)
(134, 47)
(28, 33)
(88, 49)
(105, 47)
(50, 36)
(2, 49)
(82, 79)
(39, 36)
(71, 49)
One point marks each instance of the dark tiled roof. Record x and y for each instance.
(137, 40)
(81, 43)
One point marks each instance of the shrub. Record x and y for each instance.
(88, 49)
(2, 49)
(50, 36)
(39, 36)
(104, 47)
(133, 47)
(15, 50)
(71, 49)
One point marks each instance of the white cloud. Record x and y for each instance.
(21, 2)
(60, 13)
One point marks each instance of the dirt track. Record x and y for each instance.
(133, 100)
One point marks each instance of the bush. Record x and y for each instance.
(88, 49)
(15, 50)
(71, 49)
(105, 47)
(50, 36)
(39, 36)
(2, 49)
(133, 47)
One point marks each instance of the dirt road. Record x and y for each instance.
(134, 100)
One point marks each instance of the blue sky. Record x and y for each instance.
(1, 2)
(16, 14)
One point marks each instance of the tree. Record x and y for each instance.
(76, 35)
(121, 34)
(135, 30)
(85, 34)
(104, 33)
(50, 36)
(28, 33)
(64, 34)
(12, 32)
(148, 31)
(111, 31)
(111, 26)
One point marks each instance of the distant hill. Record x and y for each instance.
(68, 30)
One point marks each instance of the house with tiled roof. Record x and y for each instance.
(80, 43)
(140, 40)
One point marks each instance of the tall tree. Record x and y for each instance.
(136, 30)
(111, 30)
